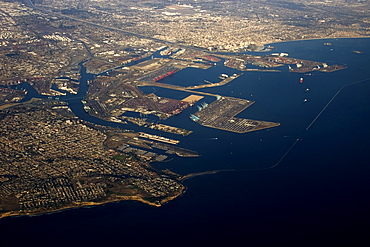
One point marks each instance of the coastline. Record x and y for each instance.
(115, 198)
(308, 39)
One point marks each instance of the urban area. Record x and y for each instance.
(52, 160)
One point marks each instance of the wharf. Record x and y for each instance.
(158, 138)
(182, 152)
(220, 115)
(223, 82)
(160, 127)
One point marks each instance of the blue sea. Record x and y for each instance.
(315, 194)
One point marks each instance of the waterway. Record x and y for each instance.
(316, 195)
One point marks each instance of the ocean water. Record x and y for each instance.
(316, 194)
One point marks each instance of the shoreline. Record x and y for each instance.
(308, 39)
(86, 204)
(233, 52)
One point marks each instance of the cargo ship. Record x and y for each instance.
(194, 118)
(164, 75)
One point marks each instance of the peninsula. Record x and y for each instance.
(52, 161)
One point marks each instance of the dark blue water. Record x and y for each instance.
(318, 195)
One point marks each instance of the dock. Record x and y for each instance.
(158, 138)
(223, 82)
(220, 115)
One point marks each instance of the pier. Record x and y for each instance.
(223, 82)
(220, 115)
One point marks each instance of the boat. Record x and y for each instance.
(301, 80)
(164, 75)
(87, 108)
(194, 118)
(307, 89)
(305, 100)
(223, 76)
